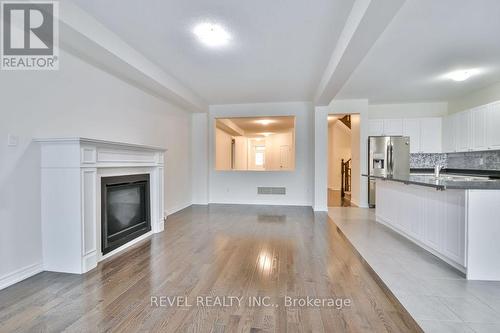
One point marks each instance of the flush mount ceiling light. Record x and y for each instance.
(265, 122)
(461, 75)
(212, 34)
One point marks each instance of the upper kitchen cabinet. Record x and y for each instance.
(376, 127)
(472, 130)
(448, 133)
(430, 135)
(411, 128)
(493, 125)
(479, 137)
(463, 131)
(425, 133)
(393, 126)
(387, 127)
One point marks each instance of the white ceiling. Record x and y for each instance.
(425, 40)
(278, 53)
(252, 126)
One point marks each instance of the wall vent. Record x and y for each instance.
(271, 190)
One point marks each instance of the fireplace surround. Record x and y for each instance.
(73, 171)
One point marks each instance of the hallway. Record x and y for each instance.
(335, 199)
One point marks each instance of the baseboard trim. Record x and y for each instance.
(20, 274)
(299, 204)
(178, 208)
(320, 209)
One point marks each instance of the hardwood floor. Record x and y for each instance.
(336, 200)
(219, 250)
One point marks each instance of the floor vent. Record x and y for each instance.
(271, 190)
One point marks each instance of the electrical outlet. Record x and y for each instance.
(12, 140)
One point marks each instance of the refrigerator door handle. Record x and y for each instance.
(392, 159)
(389, 158)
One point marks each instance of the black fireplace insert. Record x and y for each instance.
(125, 210)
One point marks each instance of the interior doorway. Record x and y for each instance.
(343, 158)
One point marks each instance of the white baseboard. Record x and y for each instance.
(320, 209)
(253, 203)
(20, 274)
(177, 208)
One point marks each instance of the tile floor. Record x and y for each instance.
(436, 295)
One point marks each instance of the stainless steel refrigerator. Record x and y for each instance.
(388, 156)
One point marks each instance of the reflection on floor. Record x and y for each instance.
(336, 200)
(219, 250)
(436, 295)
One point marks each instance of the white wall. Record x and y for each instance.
(480, 97)
(77, 100)
(407, 110)
(339, 147)
(241, 186)
(200, 158)
(357, 163)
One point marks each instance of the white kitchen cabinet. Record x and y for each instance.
(479, 139)
(448, 134)
(453, 245)
(433, 219)
(411, 128)
(462, 131)
(430, 135)
(425, 134)
(376, 127)
(493, 128)
(393, 126)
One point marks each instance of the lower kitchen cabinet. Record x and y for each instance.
(433, 219)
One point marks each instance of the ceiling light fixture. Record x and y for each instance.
(211, 34)
(461, 75)
(265, 122)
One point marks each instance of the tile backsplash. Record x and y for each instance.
(479, 160)
(427, 161)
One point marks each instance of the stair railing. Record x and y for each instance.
(345, 173)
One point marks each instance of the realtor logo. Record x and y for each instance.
(29, 35)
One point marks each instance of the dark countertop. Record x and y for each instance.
(442, 183)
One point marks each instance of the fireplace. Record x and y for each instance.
(125, 209)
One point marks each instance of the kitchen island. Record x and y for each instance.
(455, 218)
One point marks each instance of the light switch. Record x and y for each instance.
(12, 140)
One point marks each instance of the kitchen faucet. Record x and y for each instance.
(437, 170)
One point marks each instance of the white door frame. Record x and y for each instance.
(346, 107)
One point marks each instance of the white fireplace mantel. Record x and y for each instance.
(71, 169)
